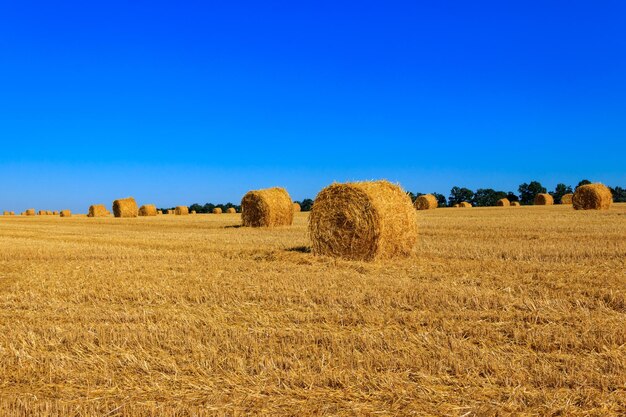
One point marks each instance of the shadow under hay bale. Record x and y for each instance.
(544, 199)
(592, 197)
(267, 208)
(426, 202)
(363, 221)
(125, 207)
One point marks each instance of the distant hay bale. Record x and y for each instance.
(426, 202)
(97, 210)
(193, 212)
(465, 204)
(29, 212)
(147, 210)
(503, 202)
(515, 204)
(125, 207)
(366, 221)
(296, 208)
(66, 213)
(231, 210)
(56, 213)
(12, 213)
(159, 212)
(592, 197)
(170, 211)
(181, 210)
(544, 199)
(567, 198)
(456, 205)
(48, 212)
(42, 213)
(217, 210)
(6, 213)
(267, 208)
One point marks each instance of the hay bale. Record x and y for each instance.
(159, 212)
(503, 202)
(217, 210)
(148, 210)
(193, 212)
(592, 197)
(544, 199)
(515, 204)
(567, 198)
(29, 212)
(55, 213)
(456, 205)
(125, 207)
(6, 213)
(170, 212)
(366, 221)
(42, 212)
(97, 210)
(267, 208)
(465, 204)
(426, 202)
(296, 208)
(231, 210)
(48, 212)
(181, 210)
(66, 213)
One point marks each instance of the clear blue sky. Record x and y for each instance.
(181, 102)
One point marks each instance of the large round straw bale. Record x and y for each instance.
(148, 210)
(267, 208)
(567, 198)
(515, 204)
(125, 207)
(29, 212)
(217, 210)
(296, 208)
(465, 204)
(181, 210)
(363, 221)
(97, 210)
(426, 202)
(66, 213)
(231, 210)
(544, 199)
(592, 197)
(503, 202)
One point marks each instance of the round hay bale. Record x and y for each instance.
(367, 221)
(29, 212)
(159, 212)
(456, 205)
(148, 210)
(49, 213)
(231, 210)
(170, 211)
(97, 210)
(193, 212)
(515, 204)
(267, 208)
(6, 213)
(66, 213)
(42, 212)
(216, 210)
(544, 199)
(426, 202)
(503, 202)
(592, 197)
(55, 213)
(296, 208)
(12, 213)
(567, 198)
(181, 210)
(465, 204)
(125, 207)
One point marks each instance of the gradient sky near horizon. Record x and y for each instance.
(200, 101)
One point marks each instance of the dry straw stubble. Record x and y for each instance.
(426, 202)
(367, 221)
(269, 207)
(592, 197)
(125, 207)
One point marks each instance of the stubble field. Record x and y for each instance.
(500, 311)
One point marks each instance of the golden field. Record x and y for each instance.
(500, 311)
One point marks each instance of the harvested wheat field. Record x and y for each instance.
(497, 312)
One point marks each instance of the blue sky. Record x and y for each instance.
(181, 102)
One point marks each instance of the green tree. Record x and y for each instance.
(458, 195)
(560, 191)
(306, 204)
(619, 194)
(441, 199)
(511, 197)
(485, 197)
(528, 192)
(583, 182)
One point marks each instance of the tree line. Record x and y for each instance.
(482, 197)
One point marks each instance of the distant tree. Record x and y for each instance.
(528, 192)
(560, 191)
(583, 182)
(441, 199)
(413, 196)
(511, 197)
(306, 204)
(619, 194)
(197, 207)
(458, 195)
(485, 197)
